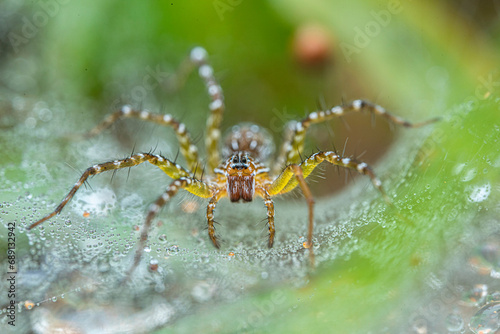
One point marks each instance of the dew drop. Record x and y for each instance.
(454, 322)
(173, 249)
(486, 320)
(153, 265)
(29, 304)
(477, 295)
(202, 291)
(494, 297)
(469, 175)
(480, 193)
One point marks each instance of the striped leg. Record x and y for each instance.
(288, 134)
(296, 144)
(274, 188)
(279, 186)
(171, 169)
(285, 183)
(187, 148)
(198, 58)
(175, 186)
(210, 216)
(270, 213)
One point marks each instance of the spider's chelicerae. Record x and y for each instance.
(240, 173)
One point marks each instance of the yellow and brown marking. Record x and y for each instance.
(242, 174)
(293, 147)
(187, 148)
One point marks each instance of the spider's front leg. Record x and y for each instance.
(171, 169)
(307, 166)
(294, 175)
(196, 187)
(218, 194)
(278, 186)
(294, 144)
(270, 213)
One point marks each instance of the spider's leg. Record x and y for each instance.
(210, 216)
(285, 183)
(279, 184)
(288, 134)
(270, 213)
(187, 148)
(198, 58)
(181, 183)
(171, 169)
(293, 146)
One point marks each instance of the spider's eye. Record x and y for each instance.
(243, 160)
(235, 160)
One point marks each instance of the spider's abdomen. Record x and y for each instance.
(240, 187)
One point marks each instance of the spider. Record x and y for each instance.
(238, 171)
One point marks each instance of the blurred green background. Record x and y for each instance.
(409, 268)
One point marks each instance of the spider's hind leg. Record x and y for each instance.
(198, 58)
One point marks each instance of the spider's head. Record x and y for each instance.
(240, 173)
(251, 138)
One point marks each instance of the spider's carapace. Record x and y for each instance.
(241, 173)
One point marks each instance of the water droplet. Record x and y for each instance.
(458, 169)
(490, 252)
(469, 175)
(480, 193)
(486, 319)
(454, 322)
(173, 249)
(477, 295)
(147, 249)
(153, 265)
(29, 304)
(54, 299)
(202, 291)
(494, 297)
(45, 114)
(30, 122)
